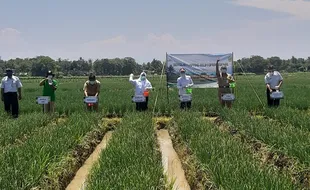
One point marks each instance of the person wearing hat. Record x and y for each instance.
(273, 81)
(11, 92)
(224, 81)
(92, 88)
(49, 88)
(142, 87)
(184, 82)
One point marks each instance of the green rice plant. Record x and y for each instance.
(230, 163)
(288, 139)
(24, 166)
(293, 116)
(21, 129)
(131, 159)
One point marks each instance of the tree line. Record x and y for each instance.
(38, 66)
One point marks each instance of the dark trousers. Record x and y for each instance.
(142, 106)
(272, 102)
(11, 103)
(186, 105)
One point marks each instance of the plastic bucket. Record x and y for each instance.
(146, 93)
(189, 90)
(232, 85)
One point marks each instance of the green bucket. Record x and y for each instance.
(232, 85)
(189, 90)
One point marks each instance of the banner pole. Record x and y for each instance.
(166, 67)
(235, 76)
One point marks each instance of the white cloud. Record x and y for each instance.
(9, 37)
(298, 8)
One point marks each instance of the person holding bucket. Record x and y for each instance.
(142, 88)
(92, 88)
(49, 87)
(184, 82)
(224, 81)
(273, 81)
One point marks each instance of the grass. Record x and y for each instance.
(230, 163)
(24, 166)
(34, 147)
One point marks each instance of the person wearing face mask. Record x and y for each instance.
(273, 81)
(224, 81)
(49, 88)
(142, 87)
(11, 93)
(92, 88)
(184, 82)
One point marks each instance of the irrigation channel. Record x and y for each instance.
(171, 162)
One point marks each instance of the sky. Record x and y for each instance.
(145, 30)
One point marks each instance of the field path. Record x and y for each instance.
(171, 162)
(78, 182)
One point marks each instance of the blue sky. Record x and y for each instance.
(146, 30)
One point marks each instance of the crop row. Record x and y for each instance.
(131, 159)
(230, 163)
(24, 165)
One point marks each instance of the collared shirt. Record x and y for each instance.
(10, 84)
(273, 79)
(182, 82)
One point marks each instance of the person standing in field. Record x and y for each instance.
(184, 82)
(142, 87)
(224, 81)
(273, 81)
(11, 92)
(49, 88)
(92, 88)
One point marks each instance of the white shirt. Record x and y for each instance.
(273, 79)
(11, 84)
(140, 86)
(182, 82)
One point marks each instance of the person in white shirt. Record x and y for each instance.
(142, 87)
(184, 82)
(11, 93)
(273, 81)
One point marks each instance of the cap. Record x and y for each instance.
(8, 70)
(49, 73)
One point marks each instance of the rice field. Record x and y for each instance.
(249, 146)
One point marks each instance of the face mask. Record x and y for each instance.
(182, 74)
(143, 78)
(49, 76)
(10, 75)
(224, 71)
(91, 82)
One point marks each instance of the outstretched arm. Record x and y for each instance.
(133, 82)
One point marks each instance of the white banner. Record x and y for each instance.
(201, 67)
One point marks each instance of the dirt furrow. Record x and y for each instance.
(79, 180)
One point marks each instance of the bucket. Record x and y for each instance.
(189, 91)
(146, 93)
(232, 85)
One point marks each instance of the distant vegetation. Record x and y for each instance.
(39, 65)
